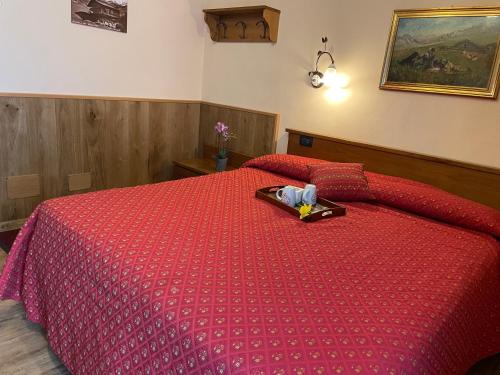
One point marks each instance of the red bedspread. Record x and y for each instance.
(199, 276)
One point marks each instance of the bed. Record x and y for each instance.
(198, 276)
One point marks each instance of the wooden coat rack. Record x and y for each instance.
(255, 24)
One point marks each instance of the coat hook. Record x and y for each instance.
(244, 26)
(265, 26)
(225, 28)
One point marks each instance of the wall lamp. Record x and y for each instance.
(319, 79)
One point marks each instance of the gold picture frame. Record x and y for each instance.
(444, 51)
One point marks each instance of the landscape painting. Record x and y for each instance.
(453, 53)
(104, 14)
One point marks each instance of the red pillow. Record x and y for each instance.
(341, 182)
(431, 202)
(292, 166)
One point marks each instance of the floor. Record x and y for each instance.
(24, 349)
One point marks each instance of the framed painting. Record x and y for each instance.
(103, 14)
(446, 51)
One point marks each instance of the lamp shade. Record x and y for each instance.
(330, 75)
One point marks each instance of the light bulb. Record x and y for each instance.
(330, 76)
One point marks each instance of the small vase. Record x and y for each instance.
(220, 164)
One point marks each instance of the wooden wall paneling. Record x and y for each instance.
(191, 137)
(19, 130)
(174, 135)
(116, 145)
(117, 141)
(92, 118)
(269, 129)
(180, 137)
(73, 154)
(20, 154)
(266, 128)
(139, 138)
(9, 117)
(208, 119)
(42, 117)
(4, 158)
(256, 132)
(32, 117)
(186, 136)
(242, 129)
(172, 125)
(250, 126)
(158, 147)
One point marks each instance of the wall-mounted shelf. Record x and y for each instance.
(244, 24)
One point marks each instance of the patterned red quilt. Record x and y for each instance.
(197, 276)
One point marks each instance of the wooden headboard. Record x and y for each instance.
(478, 183)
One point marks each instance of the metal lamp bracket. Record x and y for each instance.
(316, 79)
(316, 76)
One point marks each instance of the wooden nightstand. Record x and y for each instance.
(194, 168)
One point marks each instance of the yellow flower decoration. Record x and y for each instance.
(305, 211)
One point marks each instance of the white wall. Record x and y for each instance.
(161, 56)
(167, 53)
(274, 78)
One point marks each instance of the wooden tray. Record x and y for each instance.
(324, 209)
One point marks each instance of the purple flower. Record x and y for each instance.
(223, 136)
(222, 128)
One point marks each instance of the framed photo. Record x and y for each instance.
(104, 14)
(446, 51)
